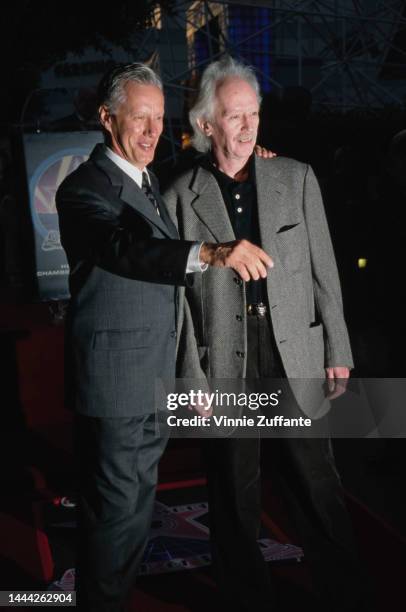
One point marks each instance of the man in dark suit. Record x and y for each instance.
(125, 263)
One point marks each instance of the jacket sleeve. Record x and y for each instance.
(117, 239)
(326, 283)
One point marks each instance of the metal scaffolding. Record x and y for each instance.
(349, 54)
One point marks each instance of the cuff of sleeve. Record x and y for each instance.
(193, 261)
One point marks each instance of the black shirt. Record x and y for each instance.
(240, 198)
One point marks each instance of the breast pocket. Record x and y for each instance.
(291, 245)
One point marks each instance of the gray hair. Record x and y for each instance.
(215, 74)
(111, 90)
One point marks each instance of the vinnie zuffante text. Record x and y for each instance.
(207, 402)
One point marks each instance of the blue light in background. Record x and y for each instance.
(243, 22)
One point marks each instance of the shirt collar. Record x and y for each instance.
(129, 169)
(208, 163)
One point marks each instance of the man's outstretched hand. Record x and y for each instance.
(248, 260)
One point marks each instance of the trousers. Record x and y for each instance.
(117, 461)
(311, 492)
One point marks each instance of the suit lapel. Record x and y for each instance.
(128, 191)
(210, 207)
(162, 207)
(135, 197)
(270, 194)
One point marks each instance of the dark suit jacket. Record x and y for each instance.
(125, 262)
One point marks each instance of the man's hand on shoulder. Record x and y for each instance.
(248, 260)
(337, 380)
(264, 153)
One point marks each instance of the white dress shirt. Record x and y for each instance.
(193, 261)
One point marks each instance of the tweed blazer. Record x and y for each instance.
(303, 288)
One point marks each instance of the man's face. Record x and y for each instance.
(137, 123)
(233, 129)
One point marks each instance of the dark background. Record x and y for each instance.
(359, 157)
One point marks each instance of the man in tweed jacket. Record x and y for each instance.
(290, 324)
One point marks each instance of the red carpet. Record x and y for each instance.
(36, 463)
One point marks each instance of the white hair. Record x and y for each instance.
(215, 74)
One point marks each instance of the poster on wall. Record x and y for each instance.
(49, 158)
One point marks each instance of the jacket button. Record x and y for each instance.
(173, 334)
(237, 281)
(240, 354)
(238, 317)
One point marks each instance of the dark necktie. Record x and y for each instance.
(146, 187)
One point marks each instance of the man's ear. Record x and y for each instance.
(204, 126)
(105, 118)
